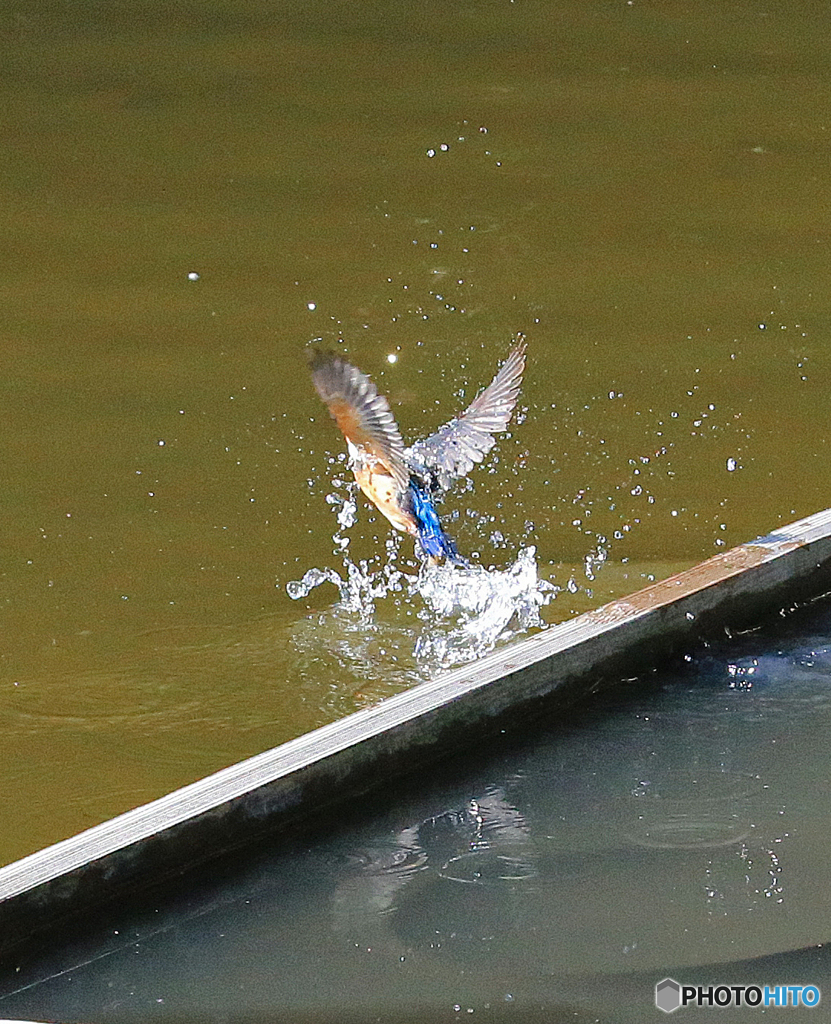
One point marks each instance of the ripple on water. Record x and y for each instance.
(488, 868)
(694, 809)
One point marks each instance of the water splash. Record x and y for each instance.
(360, 585)
(460, 613)
(468, 611)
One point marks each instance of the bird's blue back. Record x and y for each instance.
(432, 537)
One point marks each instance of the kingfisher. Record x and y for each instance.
(404, 483)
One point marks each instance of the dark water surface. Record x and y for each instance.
(642, 189)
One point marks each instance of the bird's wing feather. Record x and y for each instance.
(363, 415)
(455, 448)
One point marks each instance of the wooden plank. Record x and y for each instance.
(302, 777)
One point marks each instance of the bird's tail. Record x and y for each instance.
(434, 541)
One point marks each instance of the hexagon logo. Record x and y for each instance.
(668, 995)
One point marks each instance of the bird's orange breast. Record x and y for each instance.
(384, 493)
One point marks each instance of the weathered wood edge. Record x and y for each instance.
(557, 667)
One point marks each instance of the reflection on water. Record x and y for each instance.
(457, 614)
(678, 826)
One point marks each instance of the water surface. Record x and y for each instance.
(641, 191)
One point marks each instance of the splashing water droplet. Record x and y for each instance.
(463, 612)
(312, 578)
(484, 607)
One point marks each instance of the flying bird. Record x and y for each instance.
(405, 483)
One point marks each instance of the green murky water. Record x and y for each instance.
(643, 191)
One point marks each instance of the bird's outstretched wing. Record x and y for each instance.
(364, 416)
(459, 445)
